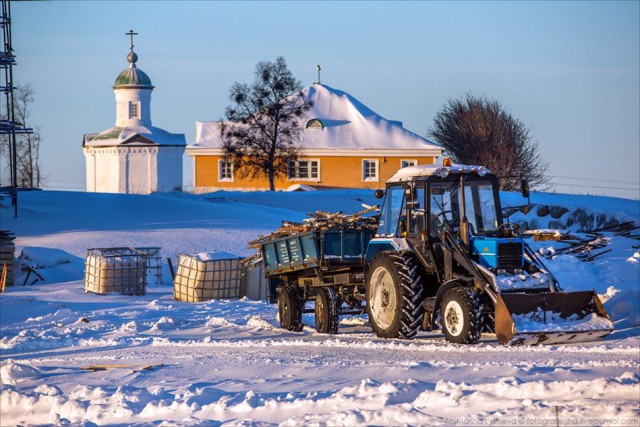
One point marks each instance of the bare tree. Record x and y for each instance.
(27, 144)
(477, 130)
(263, 124)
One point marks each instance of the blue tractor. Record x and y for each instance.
(443, 257)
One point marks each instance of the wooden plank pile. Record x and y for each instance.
(627, 229)
(322, 221)
(592, 245)
(582, 248)
(7, 254)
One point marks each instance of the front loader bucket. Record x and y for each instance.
(550, 318)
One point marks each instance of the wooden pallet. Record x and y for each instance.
(7, 255)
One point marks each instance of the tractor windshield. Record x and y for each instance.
(444, 206)
(480, 207)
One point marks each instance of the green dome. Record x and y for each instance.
(133, 77)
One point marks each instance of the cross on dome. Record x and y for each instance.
(131, 57)
(131, 34)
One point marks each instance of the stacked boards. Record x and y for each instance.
(7, 254)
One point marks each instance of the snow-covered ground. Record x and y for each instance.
(227, 362)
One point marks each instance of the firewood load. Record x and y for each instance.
(322, 221)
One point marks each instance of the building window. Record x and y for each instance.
(302, 170)
(315, 123)
(370, 170)
(225, 170)
(407, 163)
(134, 110)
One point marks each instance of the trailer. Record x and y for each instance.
(325, 266)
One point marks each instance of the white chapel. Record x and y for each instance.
(134, 157)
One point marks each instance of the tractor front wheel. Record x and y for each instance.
(460, 316)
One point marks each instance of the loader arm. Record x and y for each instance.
(454, 250)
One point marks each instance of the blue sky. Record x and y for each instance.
(569, 70)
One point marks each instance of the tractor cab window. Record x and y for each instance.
(444, 206)
(393, 209)
(417, 216)
(480, 207)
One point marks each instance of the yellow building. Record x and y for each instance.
(344, 145)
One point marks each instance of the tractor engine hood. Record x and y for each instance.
(502, 261)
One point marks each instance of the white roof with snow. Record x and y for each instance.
(127, 135)
(344, 124)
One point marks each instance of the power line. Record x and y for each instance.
(63, 188)
(591, 178)
(597, 186)
(66, 180)
(589, 174)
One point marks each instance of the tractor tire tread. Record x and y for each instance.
(411, 295)
(289, 294)
(404, 267)
(470, 302)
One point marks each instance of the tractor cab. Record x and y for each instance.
(423, 202)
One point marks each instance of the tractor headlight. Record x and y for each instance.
(482, 171)
(443, 172)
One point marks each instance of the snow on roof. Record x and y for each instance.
(126, 135)
(411, 171)
(407, 173)
(338, 121)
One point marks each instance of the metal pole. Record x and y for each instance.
(5, 22)
(13, 121)
(11, 126)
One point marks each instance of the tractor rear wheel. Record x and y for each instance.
(327, 311)
(394, 295)
(460, 316)
(289, 308)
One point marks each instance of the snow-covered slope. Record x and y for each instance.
(227, 362)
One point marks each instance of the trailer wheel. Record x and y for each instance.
(460, 316)
(289, 309)
(327, 311)
(394, 295)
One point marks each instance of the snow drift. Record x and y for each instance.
(228, 362)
